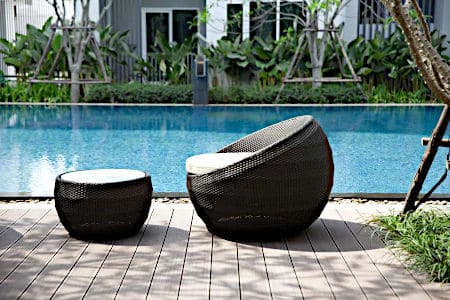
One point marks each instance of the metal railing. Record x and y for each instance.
(372, 16)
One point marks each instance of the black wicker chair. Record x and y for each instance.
(103, 211)
(281, 188)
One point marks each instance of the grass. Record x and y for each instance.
(425, 237)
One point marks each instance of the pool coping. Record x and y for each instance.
(368, 196)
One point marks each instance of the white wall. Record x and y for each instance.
(217, 20)
(349, 17)
(442, 19)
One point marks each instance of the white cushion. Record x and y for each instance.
(208, 162)
(102, 176)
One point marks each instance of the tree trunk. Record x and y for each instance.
(316, 75)
(75, 87)
(315, 61)
(427, 160)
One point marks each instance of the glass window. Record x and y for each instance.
(234, 20)
(182, 24)
(156, 22)
(262, 20)
(289, 12)
(373, 11)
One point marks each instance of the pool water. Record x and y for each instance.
(376, 149)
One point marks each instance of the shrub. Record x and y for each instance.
(37, 93)
(139, 93)
(291, 94)
(425, 237)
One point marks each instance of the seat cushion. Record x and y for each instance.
(208, 162)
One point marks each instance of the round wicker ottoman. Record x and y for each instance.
(103, 204)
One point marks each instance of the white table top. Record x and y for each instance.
(102, 175)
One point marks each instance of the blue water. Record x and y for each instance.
(375, 149)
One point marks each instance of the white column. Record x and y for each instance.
(216, 25)
(442, 19)
(94, 10)
(246, 20)
(349, 17)
(10, 28)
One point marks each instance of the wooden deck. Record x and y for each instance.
(175, 257)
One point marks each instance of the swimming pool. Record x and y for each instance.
(376, 149)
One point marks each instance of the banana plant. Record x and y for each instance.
(171, 58)
(24, 53)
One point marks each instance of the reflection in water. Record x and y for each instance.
(375, 149)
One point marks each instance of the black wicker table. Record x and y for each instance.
(103, 204)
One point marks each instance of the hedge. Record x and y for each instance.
(152, 93)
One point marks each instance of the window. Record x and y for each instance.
(182, 24)
(156, 22)
(373, 11)
(263, 20)
(234, 20)
(175, 25)
(289, 11)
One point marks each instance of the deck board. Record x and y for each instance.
(167, 278)
(252, 272)
(313, 281)
(109, 278)
(15, 232)
(137, 280)
(362, 267)
(339, 276)
(282, 278)
(33, 236)
(48, 281)
(9, 218)
(224, 270)
(33, 264)
(175, 257)
(195, 279)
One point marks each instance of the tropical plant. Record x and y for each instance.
(424, 236)
(387, 60)
(24, 53)
(168, 58)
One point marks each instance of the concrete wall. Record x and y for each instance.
(442, 19)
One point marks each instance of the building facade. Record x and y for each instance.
(176, 19)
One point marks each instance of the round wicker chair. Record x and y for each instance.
(279, 189)
(116, 206)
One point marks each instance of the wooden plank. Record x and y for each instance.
(9, 218)
(224, 270)
(313, 281)
(137, 279)
(252, 272)
(15, 284)
(282, 278)
(80, 277)
(107, 282)
(195, 279)
(369, 278)
(48, 281)
(406, 284)
(339, 276)
(169, 268)
(19, 250)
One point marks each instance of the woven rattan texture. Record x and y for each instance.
(103, 211)
(282, 188)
